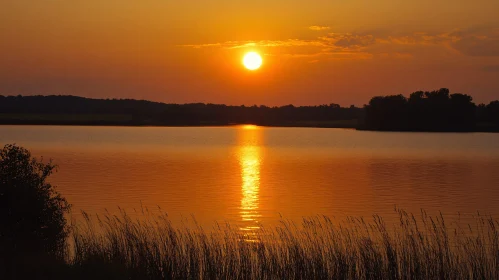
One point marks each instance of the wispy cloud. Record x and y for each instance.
(348, 41)
(347, 45)
(482, 42)
(318, 28)
(199, 46)
(262, 43)
(478, 41)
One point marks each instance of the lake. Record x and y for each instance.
(249, 175)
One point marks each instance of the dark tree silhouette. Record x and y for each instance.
(79, 110)
(31, 210)
(492, 112)
(387, 113)
(462, 112)
(423, 111)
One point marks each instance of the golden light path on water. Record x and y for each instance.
(250, 161)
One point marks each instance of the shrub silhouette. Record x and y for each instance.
(31, 211)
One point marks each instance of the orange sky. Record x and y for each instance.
(315, 51)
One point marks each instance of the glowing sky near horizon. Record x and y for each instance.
(314, 52)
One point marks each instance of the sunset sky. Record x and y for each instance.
(314, 51)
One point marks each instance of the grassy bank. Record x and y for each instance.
(420, 247)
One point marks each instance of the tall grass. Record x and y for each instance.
(121, 247)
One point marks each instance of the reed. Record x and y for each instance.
(422, 247)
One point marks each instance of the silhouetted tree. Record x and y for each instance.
(487, 116)
(462, 112)
(423, 111)
(31, 210)
(436, 109)
(387, 113)
(493, 112)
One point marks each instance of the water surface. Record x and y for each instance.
(250, 175)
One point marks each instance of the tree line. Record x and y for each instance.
(436, 110)
(141, 112)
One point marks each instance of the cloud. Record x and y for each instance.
(318, 28)
(479, 41)
(279, 43)
(348, 41)
(396, 55)
(476, 42)
(420, 38)
(262, 43)
(339, 44)
(199, 46)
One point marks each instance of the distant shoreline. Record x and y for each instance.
(435, 111)
(342, 125)
(297, 124)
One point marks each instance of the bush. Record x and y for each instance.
(31, 210)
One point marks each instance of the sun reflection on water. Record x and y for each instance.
(250, 161)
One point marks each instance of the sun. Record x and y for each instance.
(252, 61)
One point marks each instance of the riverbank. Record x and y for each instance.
(123, 120)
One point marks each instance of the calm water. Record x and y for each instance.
(248, 175)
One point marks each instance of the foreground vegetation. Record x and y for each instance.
(423, 247)
(416, 248)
